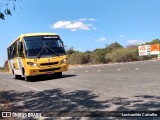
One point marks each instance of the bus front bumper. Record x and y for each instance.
(34, 71)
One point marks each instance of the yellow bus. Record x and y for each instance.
(37, 54)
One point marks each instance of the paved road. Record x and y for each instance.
(111, 87)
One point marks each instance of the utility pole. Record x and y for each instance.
(4, 65)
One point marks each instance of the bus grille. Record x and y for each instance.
(49, 69)
(51, 63)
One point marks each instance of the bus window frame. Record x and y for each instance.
(22, 51)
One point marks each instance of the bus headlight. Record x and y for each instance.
(63, 61)
(32, 64)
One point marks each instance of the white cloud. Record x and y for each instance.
(121, 36)
(101, 39)
(94, 28)
(87, 19)
(134, 42)
(73, 25)
(61, 24)
(91, 19)
(82, 19)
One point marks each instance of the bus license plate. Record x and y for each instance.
(50, 73)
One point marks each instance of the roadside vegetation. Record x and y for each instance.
(2, 69)
(112, 53)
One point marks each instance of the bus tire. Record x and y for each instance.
(16, 76)
(58, 74)
(27, 78)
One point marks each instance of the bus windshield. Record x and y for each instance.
(43, 46)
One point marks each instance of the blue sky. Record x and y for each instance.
(84, 24)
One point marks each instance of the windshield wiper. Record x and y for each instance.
(45, 48)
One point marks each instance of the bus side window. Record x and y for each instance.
(9, 53)
(13, 51)
(20, 49)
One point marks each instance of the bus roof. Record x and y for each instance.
(31, 34)
(36, 34)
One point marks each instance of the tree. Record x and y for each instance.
(113, 46)
(155, 41)
(5, 4)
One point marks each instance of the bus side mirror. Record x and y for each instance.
(62, 44)
(20, 46)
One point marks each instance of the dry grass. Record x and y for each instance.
(3, 70)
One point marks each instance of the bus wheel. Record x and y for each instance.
(58, 75)
(16, 76)
(27, 78)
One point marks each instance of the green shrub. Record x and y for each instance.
(122, 55)
(70, 51)
(98, 56)
(78, 58)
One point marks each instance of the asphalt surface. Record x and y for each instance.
(111, 87)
